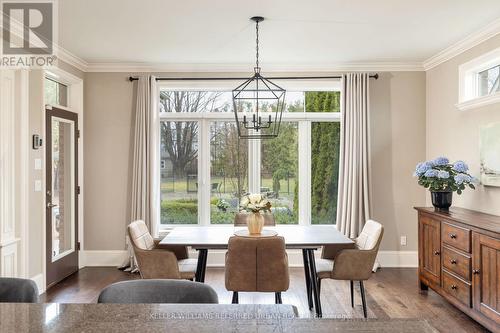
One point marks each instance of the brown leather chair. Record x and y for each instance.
(354, 263)
(240, 219)
(158, 261)
(257, 265)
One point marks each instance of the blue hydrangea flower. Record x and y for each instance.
(440, 161)
(462, 178)
(443, 174)
(460, 166)
(422, 168)
(431, 173)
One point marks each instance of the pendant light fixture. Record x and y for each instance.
(258, 103)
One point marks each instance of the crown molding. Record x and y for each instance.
(245, 68)
(463, 45)
(71, 59)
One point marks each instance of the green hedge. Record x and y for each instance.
(185, 211)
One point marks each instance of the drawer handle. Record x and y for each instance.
(454, 287)
(436, 253)
(453, 236)
(475, 271)
(453, 262)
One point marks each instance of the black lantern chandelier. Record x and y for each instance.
(255, 98)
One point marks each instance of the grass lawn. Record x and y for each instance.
(227, 185)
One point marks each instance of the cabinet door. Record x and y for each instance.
(486, 275)
(429, 233)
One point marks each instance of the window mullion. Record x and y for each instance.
(204, 173)
(254, 156)
(304, 176)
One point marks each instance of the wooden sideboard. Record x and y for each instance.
(459, 258)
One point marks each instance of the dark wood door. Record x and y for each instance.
(61, 194)
(486, 275)
(429, 233)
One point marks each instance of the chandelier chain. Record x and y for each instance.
(257, 44)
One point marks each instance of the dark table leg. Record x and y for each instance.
(308, 278)
(314, 282)
(202, 265)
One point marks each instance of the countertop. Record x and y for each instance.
(189, 318)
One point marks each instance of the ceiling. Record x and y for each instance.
(316, 32)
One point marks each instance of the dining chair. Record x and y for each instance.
(353, 264)
(158, 291)
(257, 265)
(156, 261)
(14, 290)
(240, 219)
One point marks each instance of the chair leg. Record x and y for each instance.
(235, 297)
(319, 287)
(363, 299)
(352, 293)
(277, 298)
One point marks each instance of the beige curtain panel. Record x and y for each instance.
(353, 206)
(144, 197)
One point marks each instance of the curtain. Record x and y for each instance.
(353, 205)
(145, 164)
(145, 197)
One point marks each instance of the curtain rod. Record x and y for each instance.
(131, 78)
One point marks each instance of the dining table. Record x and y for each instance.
(307, 238)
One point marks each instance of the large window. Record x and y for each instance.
(179, 177)
(206, 168)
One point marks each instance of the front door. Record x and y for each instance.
(61, 194)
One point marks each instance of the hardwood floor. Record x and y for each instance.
(391, 293)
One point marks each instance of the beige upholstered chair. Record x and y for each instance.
(355, 263)
(156, 261)
(240, 219)
(257, 265)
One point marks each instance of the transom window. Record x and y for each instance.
(489, 81)
(206, 168)
(56, 93)
(480, 81)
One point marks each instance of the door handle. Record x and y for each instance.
(453, 261)
(51, 205)
(436, 253)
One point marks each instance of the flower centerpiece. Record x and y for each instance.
(443, 178)
(255, 204)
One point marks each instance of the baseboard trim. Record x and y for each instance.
(38, 279)
(398, 258)
(102, 258)
(216, 258)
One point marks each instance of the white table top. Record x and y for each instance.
(217, 236)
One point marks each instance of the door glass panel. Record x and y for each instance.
(63, 187)
(179, 172)
(279, 166)
(228, 171)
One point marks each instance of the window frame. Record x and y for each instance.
(204, 119)
(468, 75)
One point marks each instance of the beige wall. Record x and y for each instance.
(109, 99)
(455, 133)
(398, 131)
